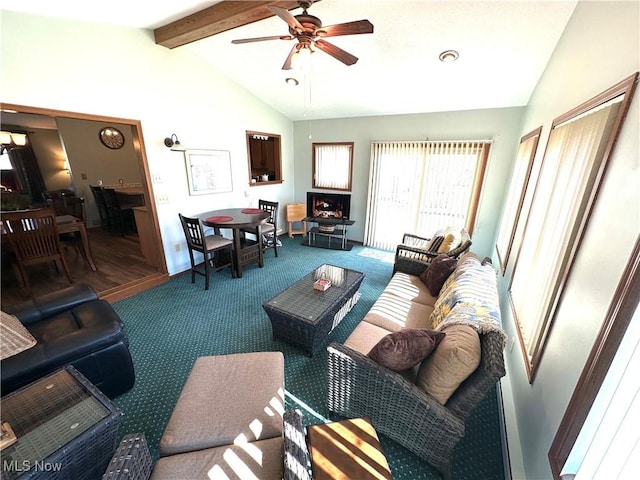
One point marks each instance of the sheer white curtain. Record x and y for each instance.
(571, 164)
(420, 187)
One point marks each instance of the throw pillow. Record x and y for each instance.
(437, 273)
(405, 348)
(447, 244)
(457, 357)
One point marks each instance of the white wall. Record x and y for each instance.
(599, 48)
(503, 125)
(120, 72)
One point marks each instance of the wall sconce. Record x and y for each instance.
(173, 143)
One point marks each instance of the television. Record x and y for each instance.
(332, 206)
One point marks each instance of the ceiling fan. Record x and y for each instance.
(308, 30)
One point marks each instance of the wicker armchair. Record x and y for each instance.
(360, 387)
(415, 253)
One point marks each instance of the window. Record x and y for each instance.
(515, 197)
(332, 165)
(615, 347)
(573, 166)
(264, 155)
(420, 187)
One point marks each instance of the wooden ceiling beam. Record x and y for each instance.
(218, 18)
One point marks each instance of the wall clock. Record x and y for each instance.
(111, 137)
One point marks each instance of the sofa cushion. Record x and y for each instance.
(411, 288)
(404, 349)
(456, 357)
(260, 460)
(213, 388)
(471, 282)
(448, 244)
(437, 273)
(365, 336)
(394, 313)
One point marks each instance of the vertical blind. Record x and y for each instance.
(574, 153)
(420, 187)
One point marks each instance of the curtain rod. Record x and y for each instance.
(435, 141)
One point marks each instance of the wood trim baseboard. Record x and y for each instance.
(132, 288)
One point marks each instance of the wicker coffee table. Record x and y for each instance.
(304, 316)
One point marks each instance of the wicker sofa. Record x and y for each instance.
(398, 403)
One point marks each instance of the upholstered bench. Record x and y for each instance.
(227, 423)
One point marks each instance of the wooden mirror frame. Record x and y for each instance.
(269, 158)
(162, 276)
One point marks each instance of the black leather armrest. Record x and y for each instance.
(50, 304)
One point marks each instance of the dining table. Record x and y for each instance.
(239, 220)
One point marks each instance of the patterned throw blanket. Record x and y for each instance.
(470, 297)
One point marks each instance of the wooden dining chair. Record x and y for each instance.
(208, 246)
(269, 229)
(101, 204)
(121, 214)
(33, 236)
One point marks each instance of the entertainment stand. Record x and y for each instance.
(326, 233)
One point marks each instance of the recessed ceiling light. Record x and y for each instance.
(449, 56)
(291, 81)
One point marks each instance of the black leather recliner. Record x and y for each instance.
(71, 326)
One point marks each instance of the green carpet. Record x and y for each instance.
(171, 325)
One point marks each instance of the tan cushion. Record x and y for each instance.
(411, 288)
(365, 336)
(260, 460)
(456, 357)
(448, 243)
(208, 412)
(216, 241)
(267, 228)
(394, 313)
(403, 350)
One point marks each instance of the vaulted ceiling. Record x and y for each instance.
(503, 47)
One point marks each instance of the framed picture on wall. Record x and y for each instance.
(208, 171)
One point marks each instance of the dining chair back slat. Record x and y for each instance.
(33, 237)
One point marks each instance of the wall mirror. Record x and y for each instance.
(70, 156)
(264, 158)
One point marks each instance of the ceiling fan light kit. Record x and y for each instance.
(308, 31)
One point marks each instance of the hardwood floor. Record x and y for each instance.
(119, 261)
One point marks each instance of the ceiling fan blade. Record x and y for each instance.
(336, 52)
(287, 17)
(349, 28)
(287, 62)
(261, 39)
